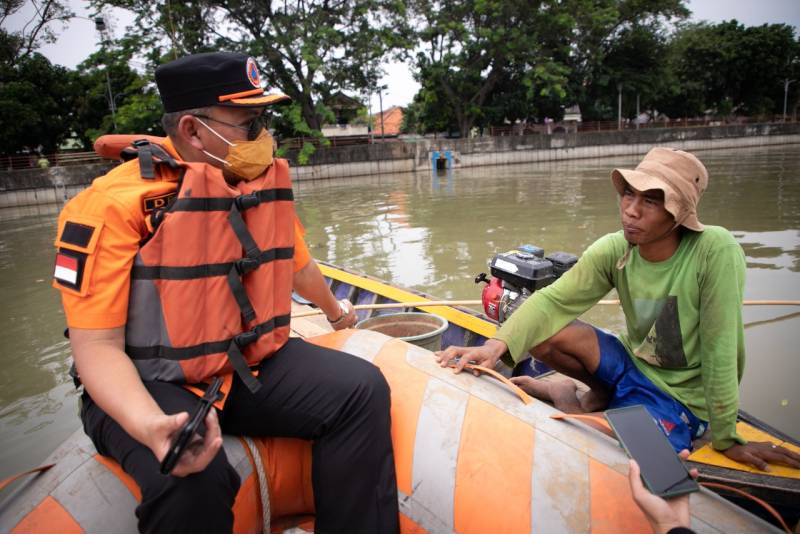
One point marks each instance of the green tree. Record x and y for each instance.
(428, 112)
(307, 49)
(32, 94)
(34, 106)
(138, 107)
(770, 53)
(496, 62)
(633, 61)
(728, 68)
(468, 48)
(38, 30)
(612, 27)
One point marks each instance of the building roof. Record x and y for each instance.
(392, 120)
(340, 101)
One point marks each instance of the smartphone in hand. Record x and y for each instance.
(662, 471)
(182, 437)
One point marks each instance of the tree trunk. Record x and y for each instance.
(310, 115)
(465, 125)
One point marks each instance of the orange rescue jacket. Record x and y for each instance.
(211, 287)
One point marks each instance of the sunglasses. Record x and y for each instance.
(253, 128)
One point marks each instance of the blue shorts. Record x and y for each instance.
(629, 386)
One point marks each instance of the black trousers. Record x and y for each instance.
(335, 399)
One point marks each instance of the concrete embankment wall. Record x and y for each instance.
(409, 157)
(30, 187)
(57, 184)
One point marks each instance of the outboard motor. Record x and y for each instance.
(516, 275)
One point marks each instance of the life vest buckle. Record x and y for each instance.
(245, 338)
(245, 265)
(250, 200)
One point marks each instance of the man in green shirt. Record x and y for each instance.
(680, 284)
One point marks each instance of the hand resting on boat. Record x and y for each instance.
(309, 283)
(761, 453)
(486, 355)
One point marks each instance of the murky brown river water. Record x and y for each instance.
(435, 233)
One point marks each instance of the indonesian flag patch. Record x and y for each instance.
(68, 269)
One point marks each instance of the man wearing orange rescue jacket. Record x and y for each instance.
(177, 267)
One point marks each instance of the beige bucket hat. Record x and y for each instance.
(681, 176)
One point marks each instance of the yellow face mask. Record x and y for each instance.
(246, 159)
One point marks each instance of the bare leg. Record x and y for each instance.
(562, 394)
(575, 352)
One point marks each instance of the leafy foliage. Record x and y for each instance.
(138, 108)
(479, 63)
(308, 49)
(17, 46)
(34, 106)
(493, 62)
(727, 68)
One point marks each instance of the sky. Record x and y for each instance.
(79, 38)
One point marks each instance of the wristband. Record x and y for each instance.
(345, 311)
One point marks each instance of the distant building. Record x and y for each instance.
(345, 109)
(392, 120)
(570, 122)
(573, 114)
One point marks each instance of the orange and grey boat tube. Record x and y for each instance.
(471, 457)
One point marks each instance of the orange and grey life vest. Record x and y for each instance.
(211, 287)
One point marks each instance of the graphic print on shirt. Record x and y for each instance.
(663, 344)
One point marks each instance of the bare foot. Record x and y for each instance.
(565, 396)
(562, 394)
(592, 401)
(535, 388)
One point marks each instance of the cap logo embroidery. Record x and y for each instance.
(252, 72)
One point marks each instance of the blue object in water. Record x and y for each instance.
(441, 160)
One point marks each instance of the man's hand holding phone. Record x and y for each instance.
(662, 471)
(198, 453)
(662, 514)
(179, 446)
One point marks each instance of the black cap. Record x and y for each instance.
(212, 79)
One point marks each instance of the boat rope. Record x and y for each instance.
(41, 469)
(390, 305)
(524, 397)
(744, 303)
(762, 502)
(428, 303)
(263, 484)
(596, 419)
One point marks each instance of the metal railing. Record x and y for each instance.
(295, 143)
(600, 126)
(33, 161)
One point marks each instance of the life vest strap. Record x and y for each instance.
(238, 361)
(252, 254)
(242, 266)
(224, 203)
(200, 388)
(239, 293)
(242, 233)
(149, 156)
(246, 201)
(202, 349)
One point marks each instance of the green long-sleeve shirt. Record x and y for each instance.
(683, 317)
